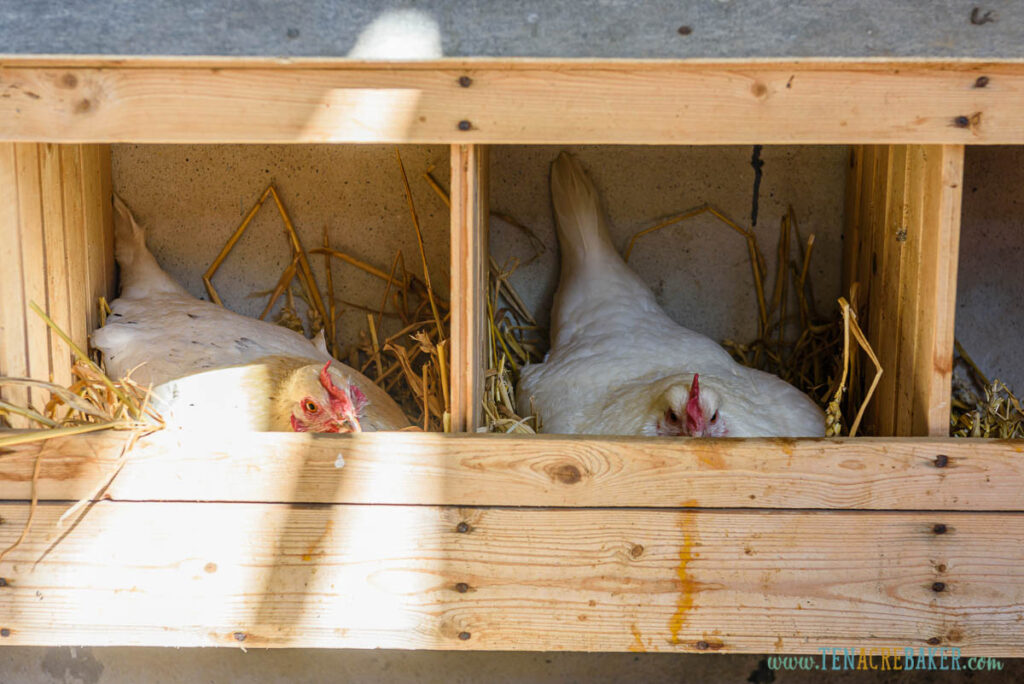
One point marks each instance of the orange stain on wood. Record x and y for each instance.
(638, 643)
(308, 556)
(687, 586)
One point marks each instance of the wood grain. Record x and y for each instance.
(257, 575)
(498, 470)
(904, 252)
(469, 261)
(558, 102)
(13, 344)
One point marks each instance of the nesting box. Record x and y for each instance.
(471, 541)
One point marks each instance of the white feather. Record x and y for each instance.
(615, 353)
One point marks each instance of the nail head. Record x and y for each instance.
(981, 82)
(934, 641)
(939, 586)
(702, 645)
(465, 81)
(5, 632)
(462, 527)
(961, 122)
(684, 30)
(465, 125)
(464, 636)
(462, 587)
(941, 461)
(239, 636)
(939, 528)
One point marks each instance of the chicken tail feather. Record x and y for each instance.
(141, 276)
(582, 232)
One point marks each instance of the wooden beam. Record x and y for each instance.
(258, 575)
(547, 470)
(904, 252)
(535, 101)
(469, 264)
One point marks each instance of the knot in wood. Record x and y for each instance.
(636, 550)
(566, 473)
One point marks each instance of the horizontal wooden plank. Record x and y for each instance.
(543, 470)
(703, 102)
(256, 575)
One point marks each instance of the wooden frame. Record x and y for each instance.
(511, 102)
(492, 542)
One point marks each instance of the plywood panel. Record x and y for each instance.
(255, 575)
(700, 102)
(402, 468)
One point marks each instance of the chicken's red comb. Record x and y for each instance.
(341, 403)
(694, 413)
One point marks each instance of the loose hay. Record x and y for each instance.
(412, 364)
(994, 411)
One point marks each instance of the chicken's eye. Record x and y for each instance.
(311, 406)
(672, 416)
(714, 417)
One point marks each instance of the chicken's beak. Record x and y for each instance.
(348, 423)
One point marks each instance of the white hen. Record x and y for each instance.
(213, 367)
(619, 365)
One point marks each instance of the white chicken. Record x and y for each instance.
(619, 365)
(212, 367)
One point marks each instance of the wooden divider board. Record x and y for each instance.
(544, 470)
(255, 575)
(903, 250)
(469, 261)
(525, 102)
(57, 251)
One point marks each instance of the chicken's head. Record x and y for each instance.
(688, 410)
(325, 401)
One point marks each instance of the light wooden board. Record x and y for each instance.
(256, 575)
(13, 345)
(469, 263)
(701, 102)
(904, 251)
(57, 252)
(402, 468)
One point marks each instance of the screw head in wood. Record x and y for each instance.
(465, 125)
(938, 586)
(465, 81)
(464, 636)
(941, 461)
(462, 587)
(462, 527)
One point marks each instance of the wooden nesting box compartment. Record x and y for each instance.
(469, 541)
